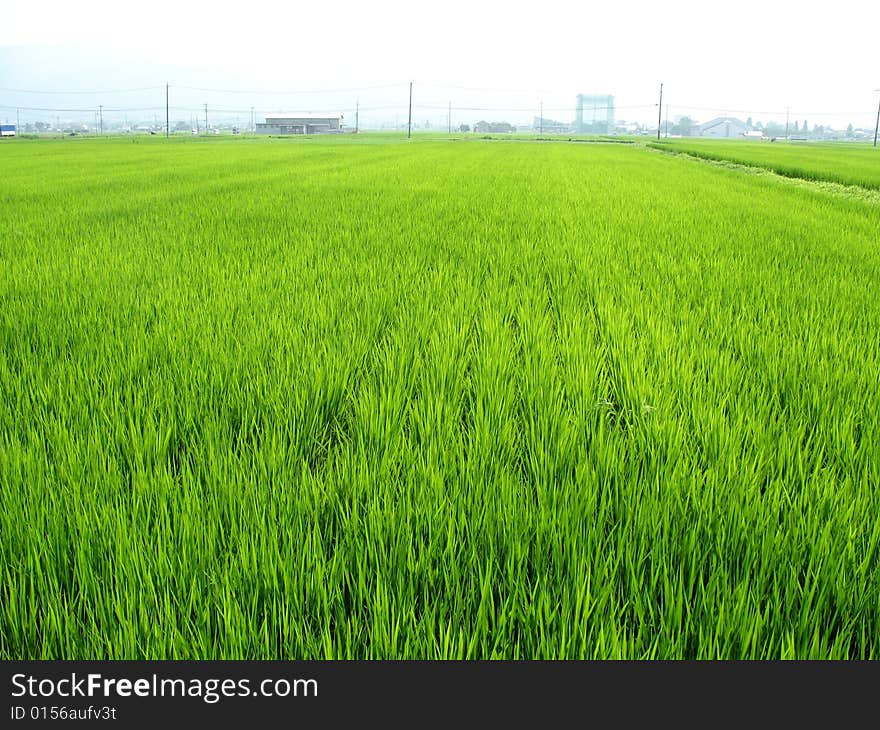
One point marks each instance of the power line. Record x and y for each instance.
(292, 91)
(438, 107)
(483, 89)
(83, 110)
(780, 112)
(659, 111)
(529, 108)
(80, 91)
(686, 107)
(347, 107)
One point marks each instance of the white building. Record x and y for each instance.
(723, 127)
(301, 124)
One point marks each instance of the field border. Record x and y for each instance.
(852, 192)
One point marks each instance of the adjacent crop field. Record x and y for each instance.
(303, 399)
(848, 164)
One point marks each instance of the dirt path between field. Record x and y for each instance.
(853, 192)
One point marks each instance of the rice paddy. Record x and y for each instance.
(343, 398)
(846, 164)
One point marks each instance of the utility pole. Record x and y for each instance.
(787, 110)
(877, 124)
(18, 127)
(357, 113)
(449, 118)
(660, 111)
(206, 117)
(101, 114)
(253, 128)
(666, 134)
(167, 118)
(409, 121)
(541, 120)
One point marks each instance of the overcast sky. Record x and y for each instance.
(749, 58)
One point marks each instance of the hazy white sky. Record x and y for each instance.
(758, 58)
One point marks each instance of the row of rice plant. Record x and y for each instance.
(843, 163)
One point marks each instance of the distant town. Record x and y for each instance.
(593, 114)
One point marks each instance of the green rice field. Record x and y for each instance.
(847, 164)
(368, 398)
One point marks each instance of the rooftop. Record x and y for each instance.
(300, 115)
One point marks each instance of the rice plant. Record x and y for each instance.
(353, 399)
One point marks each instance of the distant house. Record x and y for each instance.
(551, 126)
(723, 127)
(754, 134)
(484, 127)
(7, 130)
(301, 124)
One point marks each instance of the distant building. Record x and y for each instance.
(484, 127)
(723, 127)
(594, 114)
(7, 130)
(623, 127)
(301, 124)
(551, 126)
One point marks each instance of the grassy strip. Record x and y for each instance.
(854, 192)
(843, 164)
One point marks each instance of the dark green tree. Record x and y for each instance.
(684, 127)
